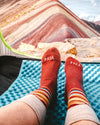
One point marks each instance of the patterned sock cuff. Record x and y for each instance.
(36, 105)
(80, 112)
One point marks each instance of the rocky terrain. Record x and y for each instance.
(83, 49)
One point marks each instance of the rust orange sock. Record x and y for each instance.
(74, 83)
(50, 66)
(78, 106)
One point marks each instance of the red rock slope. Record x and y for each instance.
(31, 22)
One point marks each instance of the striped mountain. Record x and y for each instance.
(37, 21)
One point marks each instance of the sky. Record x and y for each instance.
(85, 9)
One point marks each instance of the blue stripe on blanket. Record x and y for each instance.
(29, 80)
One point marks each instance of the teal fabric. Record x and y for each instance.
(29, 80)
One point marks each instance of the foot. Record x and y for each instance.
(50, 66)
(74, 75)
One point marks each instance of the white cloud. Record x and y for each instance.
(83, 15)
(93, 2)
(85, 9)
(97, 18)
(88, 17)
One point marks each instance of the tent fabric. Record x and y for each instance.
(29, 80)
(9, 70)
(6, 50)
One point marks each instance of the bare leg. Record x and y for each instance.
(18, 113)
(31, 109)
